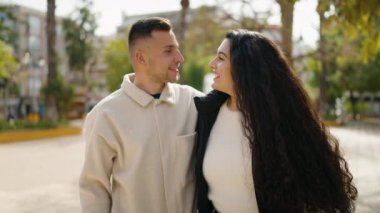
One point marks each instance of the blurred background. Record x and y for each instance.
(58, 58)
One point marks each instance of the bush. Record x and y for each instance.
(194, 71)
(20, 125)
(63, 93)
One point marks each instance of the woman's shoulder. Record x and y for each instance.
(211, 101)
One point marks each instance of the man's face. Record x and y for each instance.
(163, 57)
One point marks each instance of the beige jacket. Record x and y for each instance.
(139, 152)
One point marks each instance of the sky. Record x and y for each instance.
(110, 12)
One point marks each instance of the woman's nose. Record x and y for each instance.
(211, 64)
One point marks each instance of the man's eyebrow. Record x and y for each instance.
(170, 46)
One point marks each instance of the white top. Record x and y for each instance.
(227, 165)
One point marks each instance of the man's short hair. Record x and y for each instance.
(143, 28)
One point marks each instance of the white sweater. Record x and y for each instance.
(227, 165)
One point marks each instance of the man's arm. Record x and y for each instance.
(95, 185)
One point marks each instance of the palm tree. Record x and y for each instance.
(51, 60)
(183, 25)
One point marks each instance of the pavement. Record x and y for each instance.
(42, 175)
(361, 146)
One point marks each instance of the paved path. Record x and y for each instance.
(361, 145)
(42, 176)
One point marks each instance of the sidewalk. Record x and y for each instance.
(41, 175)
(360, 142)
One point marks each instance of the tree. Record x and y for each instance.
(52, 111)
(7, 65)
(7, 61)
(64, 94)
(322, 8)
(116, 56)
(7, 32)
(287, 9)
(194, 70)
(360, 18)
(344, 70)
(356, 25)
(247, 17)
(201, 45)
(360, 77)
(183, 22)
(79, 30)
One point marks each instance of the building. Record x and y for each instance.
(30, 50)
(173, 16)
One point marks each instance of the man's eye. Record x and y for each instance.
(220, 58)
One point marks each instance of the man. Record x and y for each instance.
(139, 139)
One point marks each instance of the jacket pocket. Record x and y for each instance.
(185, 158)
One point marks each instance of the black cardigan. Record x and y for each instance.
(208, 109)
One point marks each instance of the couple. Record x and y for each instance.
(253, 144)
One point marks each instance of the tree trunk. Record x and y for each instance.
(322, 105)
(353, 101)
(287, 8)
(183, 24)
(51, 105)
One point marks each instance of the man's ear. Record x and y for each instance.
(140, 57)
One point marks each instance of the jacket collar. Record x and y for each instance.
(143, 98)
(211, 102)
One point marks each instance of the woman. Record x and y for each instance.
(260, 146)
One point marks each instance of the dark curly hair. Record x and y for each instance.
(296, 163)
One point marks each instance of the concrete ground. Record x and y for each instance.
(361, 146)
(42, 176)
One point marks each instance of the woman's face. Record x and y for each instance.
(221, 66)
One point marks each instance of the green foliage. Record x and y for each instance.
(360, 107)
(7, 32)
(116, 56)
(203, 37)
(63, 93)
(361, 77)
(7, 61)
(349, 66)
(346, 72)
(204, 34)
(330, 116)
(79, 30)
(360, 18)
(13, 89)
(194, 70)
(333, 74)
(334, 89)
(314, 66)
(20, 125)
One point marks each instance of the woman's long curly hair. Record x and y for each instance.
(296, 163)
